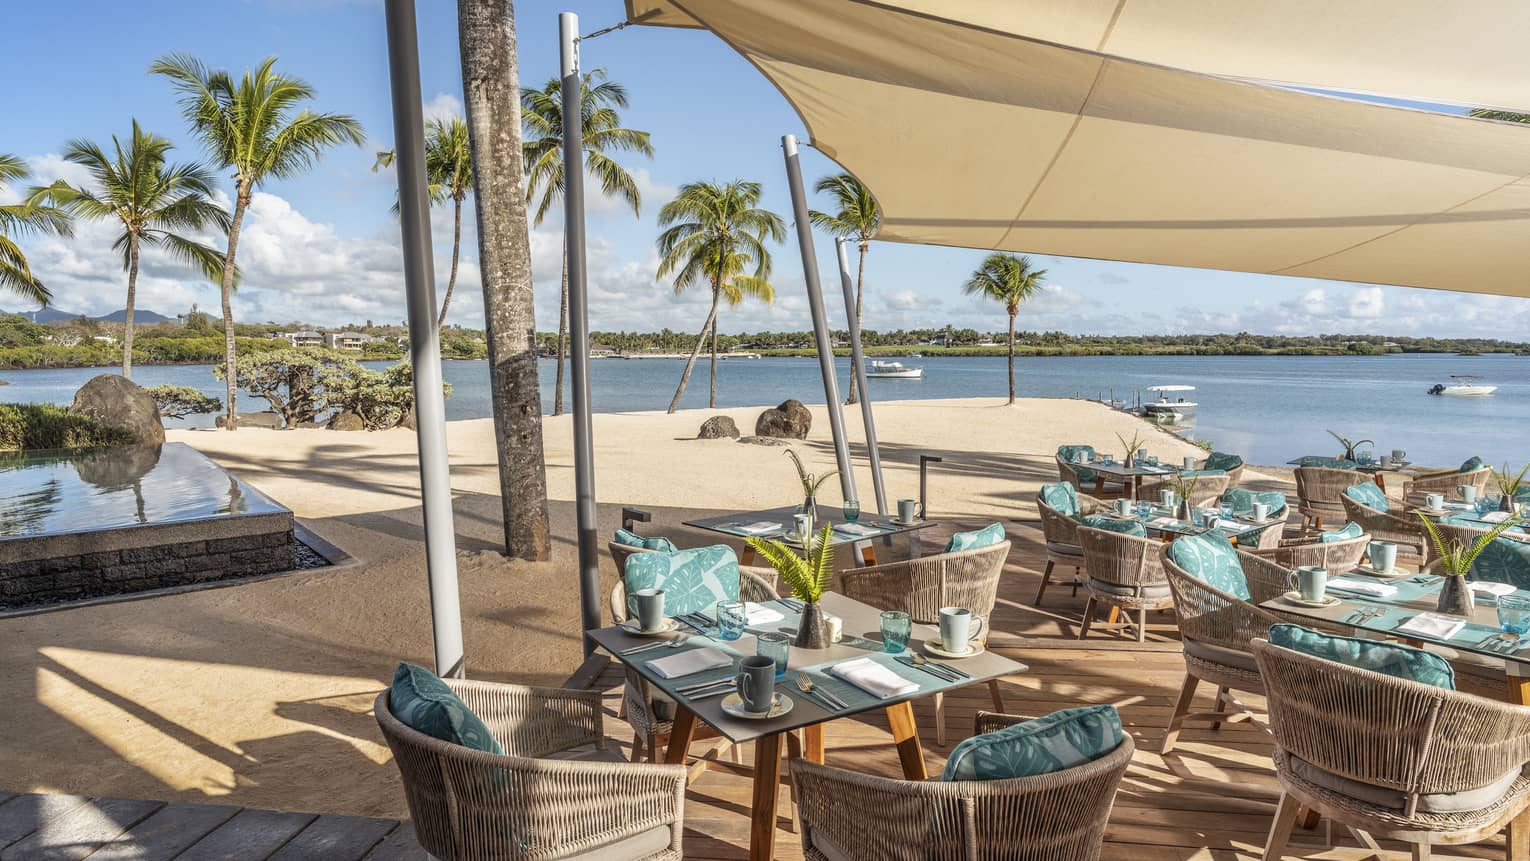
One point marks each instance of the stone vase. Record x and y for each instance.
(1506, 503)
(1455, 596)
(812, 629)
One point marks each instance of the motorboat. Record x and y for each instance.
(892, 371)
(1466, 386)
(1166, 410)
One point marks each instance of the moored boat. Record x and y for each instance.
(892, 371)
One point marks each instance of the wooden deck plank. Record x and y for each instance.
(336, 838)
(22, 814)
(167, 833)
(82, 830)
(249, 834)
(399, 845)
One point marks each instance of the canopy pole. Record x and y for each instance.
(820, 317)
(424, 343)
(572, 90)
(858, 368)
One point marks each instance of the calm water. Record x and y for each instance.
(1268, 408)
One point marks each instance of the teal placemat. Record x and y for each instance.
(859, 699)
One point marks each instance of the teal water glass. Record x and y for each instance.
(776, 646)
(852, 510)
(1514, 614)
(1144, 508)
(897, 627)
(730, 619)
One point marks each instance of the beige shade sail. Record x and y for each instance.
(976, 137)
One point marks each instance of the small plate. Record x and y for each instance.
(1296, 598)
(733, 706)
(934, 647)
(1422, 510)
(896, 522)
(669, 627)
(1397, 573)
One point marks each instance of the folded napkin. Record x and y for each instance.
(1432, 625)
(1164, 521)
(1361, 587)
(1495, 517)
(1497, 590)
(693, 661)
(759, 614)
(873, 678)
(857, 529)
(763, 527)
(1458, 506)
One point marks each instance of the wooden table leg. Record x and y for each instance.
(868, 553)
(680, 736)
(1519, 685)
(905, 735)
(746, 555)
(812, 743)
(767, 788)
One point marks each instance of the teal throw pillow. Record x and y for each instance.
(1211, 559)
(1201, 473)
(1350, 530)
(421, 701)
(1061, 498)
(1242, 501)
(631, 539)
(1074, 453)
(1392, 659)
(1368, 494)
(1059, 741)
(1223, 461)
(988, 536)
(1504, 560)
(694, 579)
(1115, 524)
(1471, 464)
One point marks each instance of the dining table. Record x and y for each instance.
(1462, 512)
(780, 524)
(1160, 520)
(832, 698)
(1132, 474)
(1373, 468)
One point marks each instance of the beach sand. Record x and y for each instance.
(259, 694)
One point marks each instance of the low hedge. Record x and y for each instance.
(34, 427)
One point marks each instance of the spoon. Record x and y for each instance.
(924, 663)
(679, 640)
(806, 685)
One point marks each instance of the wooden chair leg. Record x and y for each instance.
(998, 698)
(1046, 577)
(1083, 629)
(1421, 852)
(1181, 708)
(1222, 693)
(940, 719)
(1517, 838)
(1280, 829)
(637, 747)
(1366, 840)
(1141, 625)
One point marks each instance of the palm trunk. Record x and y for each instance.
(451, 280)
(1012, 357)
(486, 33)
(860, 275)
(562, 335)
(127, 314)
(226, 293)
(685, 376)
(712, 395)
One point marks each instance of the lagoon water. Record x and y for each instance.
(1268, 408)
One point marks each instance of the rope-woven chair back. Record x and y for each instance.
(1121, 559)
(1210, 615)
(1446, 483)
(1336, 556)
(920, 587)
(1321, 488)
(1057, 527)
(1066, 472)
(1208, 489)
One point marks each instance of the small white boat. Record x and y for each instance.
(1166, 410)
(1466, 387)
(892, 371)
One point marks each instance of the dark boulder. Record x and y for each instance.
(118, 402)
(718, 427)
(790, 420)
(346, 421)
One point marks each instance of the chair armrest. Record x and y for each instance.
(990, 721)
(1266, 578)
(534, 721)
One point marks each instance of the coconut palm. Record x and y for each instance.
(717, 232)
(253, 125)
(858, 218)
(156, 203)
(17, 219)
(603, 134)
(1006, 278)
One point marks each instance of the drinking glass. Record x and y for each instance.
(1226, 510)
(1152, 460)
(852, 510)
(896, 629)
(1514, 614)
(1144, 508)
(776, 646)
(731, 617)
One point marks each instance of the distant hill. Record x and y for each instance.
(53, 315)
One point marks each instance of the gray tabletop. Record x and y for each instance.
(1124, 470)
(1400, 466)
(862, 638)
(728, 524)
(1159, 520)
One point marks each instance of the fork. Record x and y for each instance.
(675, 643)
(806, 685)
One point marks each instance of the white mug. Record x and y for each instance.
(1434, 501)
(1261, 511)
(1386, 461)
(1398, 455)
(1123, 506)
(1468, 493)
(1189, 462)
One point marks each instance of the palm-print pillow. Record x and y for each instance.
(1350, 530)
(1504, 560)
(1059, 741)
(632, 539)
(1061, 498)
(1368, 494)
(1115, 524)
(1223, 461)
(1242, 501)
(693, 580)
(1070, 453)
(1392, 659)
(1471, 464)
(988, 536)
(423, 702)
(1211, 559)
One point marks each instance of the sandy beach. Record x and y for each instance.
(259, 694)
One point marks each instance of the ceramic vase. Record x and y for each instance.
(812, 629)
(1455, 596)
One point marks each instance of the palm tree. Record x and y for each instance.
(718, 232)
(153, 200)
(252, 125)
(449, 174)
(542, 115)
(1006, 278)
(858, 218)
(17, 219)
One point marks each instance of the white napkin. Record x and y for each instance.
(873, 678)
(763, 527)
(857, 529)
(759, 614)
(1495, 517)
(1164, 521)
(1432, 625)
(1497, 590)
(1361, 587)
(1458, 506)
(693, 661)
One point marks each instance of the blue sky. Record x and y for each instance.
(323, 247)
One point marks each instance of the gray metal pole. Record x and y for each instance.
(820, 317)
(572, 90)
(424, 345)
(858, 368)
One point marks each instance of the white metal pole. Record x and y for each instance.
(858, 369)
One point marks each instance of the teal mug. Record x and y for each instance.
(1310, 581)
(756, 683)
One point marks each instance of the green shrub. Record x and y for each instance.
(178, 402)
(33, 427)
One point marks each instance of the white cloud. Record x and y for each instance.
(1366, 302)
(443, 106)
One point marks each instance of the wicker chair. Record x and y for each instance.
(1234, 475)
(1097, 487)
(1061, 533)
(1050, 817)
(530, 804)
(1124, 573)
(920, 587)
(1375, 753)
(1292, 553)
(1319, 490)
(1216, 628)
(1445, 483)
(1402, 529)
(1208, 489)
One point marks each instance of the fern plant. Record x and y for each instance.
(1350, 445)
(1130, 446)
(1507, 485)
(1184, 486)
(807, 575)
(810, 482)
(1456, 556)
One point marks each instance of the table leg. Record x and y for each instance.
(812, 743)
(680, 736)
(1518, 676)
(746, 555)
(1381, 482)
(915, 549)
(905, 735)
(867, 553)
(767, 789)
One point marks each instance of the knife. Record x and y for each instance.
(909, 662)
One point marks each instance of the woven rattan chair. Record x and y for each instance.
(1445, 483)
(1393, 759)
(1208, 489)
(1099, 487)
(1292, 553)
(920, 587)
(1234, 475)
(468, 805)
(1216, 628)
(1319, 490)
(1050, 817)
(1061, 533)
(1125, 574)
(1404, 530)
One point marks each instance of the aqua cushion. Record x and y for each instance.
(1392, 659)
(1223, 461)
(1061, 498)
(1070, 453)
(1370, 495)
(694, 579)
(988, 536)
(1350, 530)
(632, 539)
(1211, 559)
(1329, 462)
(1115, 524)
(1242, 501)
(1523, 494)
(1504, 560)
(1059, 741)
(1471, 464)
(421, 701)
(1201, 473)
